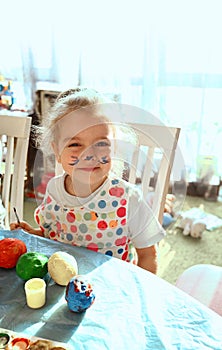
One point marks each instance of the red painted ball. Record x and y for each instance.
(10, 251)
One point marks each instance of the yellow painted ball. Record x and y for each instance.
(62, 267)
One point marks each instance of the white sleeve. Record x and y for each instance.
(144, 228)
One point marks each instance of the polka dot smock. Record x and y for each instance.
(100, 223)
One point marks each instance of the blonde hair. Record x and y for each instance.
(67, 101)
(72, 100)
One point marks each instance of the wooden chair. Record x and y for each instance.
(156, 144)
(14, 139)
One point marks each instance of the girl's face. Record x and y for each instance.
(86, 157)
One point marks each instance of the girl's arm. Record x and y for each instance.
(26, 227)
(147, 258)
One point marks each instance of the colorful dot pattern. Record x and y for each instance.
(100, 225)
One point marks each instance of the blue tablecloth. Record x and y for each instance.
(134, 309)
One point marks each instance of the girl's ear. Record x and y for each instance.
(56, 151)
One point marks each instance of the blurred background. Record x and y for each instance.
(162, 56)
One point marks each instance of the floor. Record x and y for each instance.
(29, 207)
(178, 252)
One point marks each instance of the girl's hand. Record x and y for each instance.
(169, 204)
(26, 227)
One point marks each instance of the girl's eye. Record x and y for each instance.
(102, 144)
(74, 144)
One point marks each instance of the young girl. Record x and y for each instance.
(88, 205)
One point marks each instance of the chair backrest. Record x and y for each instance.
(14, 141)
(151, 162)
(154, 157)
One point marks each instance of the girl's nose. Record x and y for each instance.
(90, 157)
(89, 154)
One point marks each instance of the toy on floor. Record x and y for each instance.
(167, 220)
(191, 226)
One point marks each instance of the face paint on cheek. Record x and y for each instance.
(104, 160)
(75, 160)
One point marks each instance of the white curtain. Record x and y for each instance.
(162, 56)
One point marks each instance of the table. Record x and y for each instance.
(133, 309)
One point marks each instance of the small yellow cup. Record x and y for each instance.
(35, 291)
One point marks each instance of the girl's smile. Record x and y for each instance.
(86, 157)
(89, 169)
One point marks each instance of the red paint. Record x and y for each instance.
(20, 343)
(11, 249)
